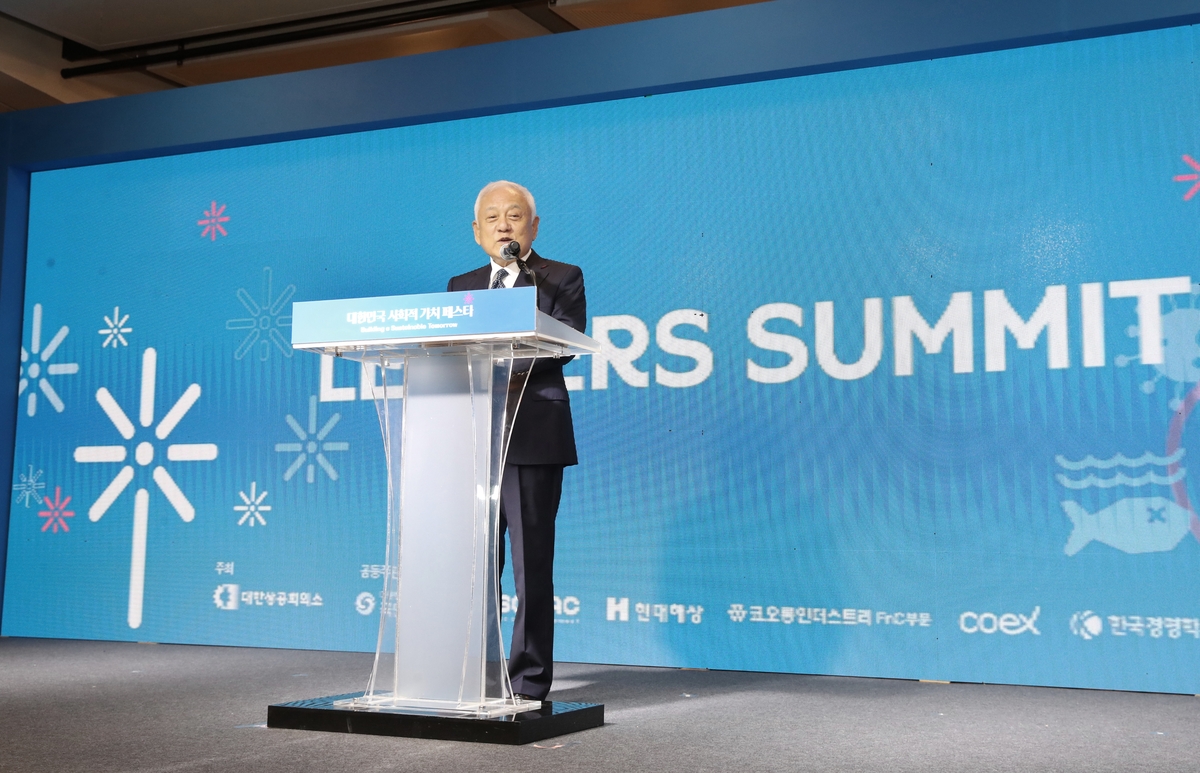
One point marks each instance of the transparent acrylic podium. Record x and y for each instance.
(449, 371)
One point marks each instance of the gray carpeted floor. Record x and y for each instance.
(98, 707)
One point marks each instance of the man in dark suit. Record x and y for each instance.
(542, 442)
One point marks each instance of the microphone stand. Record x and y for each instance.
(529, 271)
(513, 249)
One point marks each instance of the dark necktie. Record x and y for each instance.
(498, 282)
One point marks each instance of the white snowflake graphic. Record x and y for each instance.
(312, 445)
(33, 371)
(143, 454)
(29, 487)
(252, 507)
(116, 329)
(265, 321)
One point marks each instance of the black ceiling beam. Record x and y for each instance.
(539, 11)
(82, 52)
(74, 51)
(345, 23)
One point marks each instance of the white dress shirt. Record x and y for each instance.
(511, 268)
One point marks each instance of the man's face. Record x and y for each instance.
(503, 218)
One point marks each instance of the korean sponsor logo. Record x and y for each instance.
(617, 610)
(566, 608)
(1153, 626)
(1089, 625)
(1008, 623)
(230, 597)
(367, 603)
(757, 613)
(226, 596)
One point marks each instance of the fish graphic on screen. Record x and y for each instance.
(1132, 525)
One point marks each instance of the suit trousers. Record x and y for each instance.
(529, 497)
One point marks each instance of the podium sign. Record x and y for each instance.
(446, 406)
(408, 318)
(352, 326)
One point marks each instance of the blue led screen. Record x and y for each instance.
(900, 365)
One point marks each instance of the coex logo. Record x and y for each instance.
(1008, 623)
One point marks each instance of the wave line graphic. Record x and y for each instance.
(1118, 460)
(1120, 479)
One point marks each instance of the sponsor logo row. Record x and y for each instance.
(1086, 624)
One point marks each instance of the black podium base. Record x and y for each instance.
(552, 719)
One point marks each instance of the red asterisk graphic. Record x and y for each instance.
(1194, 177)
(214, 216)
(58, 513)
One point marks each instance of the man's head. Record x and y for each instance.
(504, 212)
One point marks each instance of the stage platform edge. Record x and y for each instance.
(553, 719)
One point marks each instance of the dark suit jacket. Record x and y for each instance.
(542, 432)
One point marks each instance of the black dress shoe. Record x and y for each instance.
(524, 697)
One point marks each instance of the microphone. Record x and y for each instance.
(512, 251)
